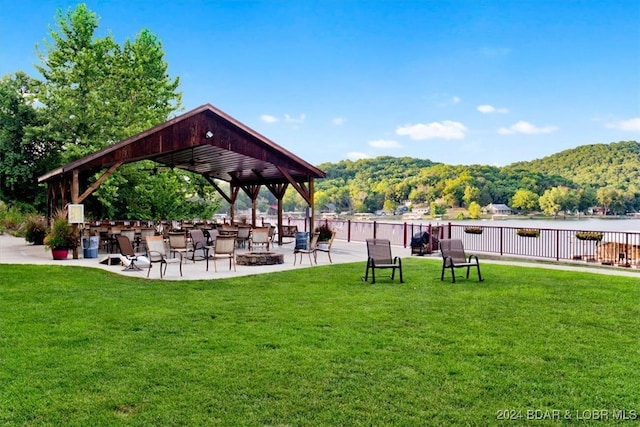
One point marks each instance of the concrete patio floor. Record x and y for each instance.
(14, 250)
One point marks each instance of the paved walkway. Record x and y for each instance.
(15, 250)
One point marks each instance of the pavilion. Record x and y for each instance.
(205, 141)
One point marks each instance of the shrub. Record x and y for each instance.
(35, 229)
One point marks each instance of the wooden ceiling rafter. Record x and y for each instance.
(300, 187)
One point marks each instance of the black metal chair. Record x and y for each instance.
(453, 256)
(379, 257)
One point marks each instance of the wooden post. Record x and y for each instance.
(75, 195)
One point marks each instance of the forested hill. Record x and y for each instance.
(615, 165)
(385, 182)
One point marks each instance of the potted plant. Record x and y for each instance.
(35, 230)
(528, 232)
(473, 230)
(60, 238)
(325, 233)
(589, 235)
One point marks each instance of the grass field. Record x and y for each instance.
(318, 346)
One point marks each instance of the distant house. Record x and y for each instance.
(497, 209)
(328, 208)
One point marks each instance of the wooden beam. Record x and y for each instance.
(299, 188)
(96, 184)
(218, 189)
(252, 191)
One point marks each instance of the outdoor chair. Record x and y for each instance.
(178, 244)
(259, 236)
(244, 231)
(379, 257)
(289, 231)
(228, 230)
(130, 233)
(326, 246)
(225, 248)
(144, 233)
(156, 252)
(199, 243)
(306, 247)
(126, 251)
(211, 236)
(453, 257)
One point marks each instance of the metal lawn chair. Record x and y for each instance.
(379, 257)
(306, 247)
(157, 253)
(199, 242)
(453, 257)
(126, 251)
(259, 236)
(225, 248)
(326, 246)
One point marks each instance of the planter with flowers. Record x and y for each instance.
(473, 230)
(589, 235)
(528, 232)
(60, 238)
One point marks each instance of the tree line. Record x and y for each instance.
(567, 181)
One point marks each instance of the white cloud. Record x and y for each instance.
(446, 129)
(384, 143)
(526, 128)
(355, 155)
(488, 109)
(290, 119)
(268, 118)
(631, 124)
(456, 100)
(338, 121)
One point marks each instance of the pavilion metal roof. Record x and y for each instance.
(206, 141)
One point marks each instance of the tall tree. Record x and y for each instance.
(22, 158)
(525, 200)
(95, 92)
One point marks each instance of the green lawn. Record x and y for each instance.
(317, 346)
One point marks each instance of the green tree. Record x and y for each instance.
(550, 201)
(607, 197)
(525, 200)
(471, 195)
(558, 199)
(22, 158)
(95, 92)
(474, 210)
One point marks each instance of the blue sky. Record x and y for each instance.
(457, 82)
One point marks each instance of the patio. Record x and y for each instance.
(15, 250)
